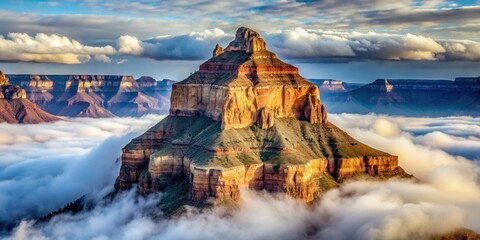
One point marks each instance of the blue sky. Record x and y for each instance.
(355, 41)
(82, 7)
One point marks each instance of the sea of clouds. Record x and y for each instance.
(44, 166)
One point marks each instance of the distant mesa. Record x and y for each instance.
(15, 108)
(247, 119)
(408, 97)
(332, 86)
(95, 96)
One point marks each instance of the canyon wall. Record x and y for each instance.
(15, 108)
(298, 181)
(409, 97)
(239, 107)
(94, 95)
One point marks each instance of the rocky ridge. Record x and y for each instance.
(410, 97)
(246, 119)
(95, 95)
(15, 108)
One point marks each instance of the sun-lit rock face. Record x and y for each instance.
(236, 84)
(218, 50)
(246, 40)
(3, 79)
(15, 108)
(9, 91)
(246, 119)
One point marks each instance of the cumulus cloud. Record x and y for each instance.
(445, 196)
(49, 48)
(129, 45)
(462, 50)
(60, 49)
(395, 47)
(302, 43)
(192, 46)
(299, 43)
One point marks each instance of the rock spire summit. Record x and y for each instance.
(246, 40)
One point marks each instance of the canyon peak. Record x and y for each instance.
(15, 108)
(10, 91)
(218, 50)
(244, 80)
(3, 79)
(247, 119)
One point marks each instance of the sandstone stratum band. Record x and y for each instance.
(246, 119)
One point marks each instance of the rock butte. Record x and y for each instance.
(409, 97)
(15, 108)
(247, 119)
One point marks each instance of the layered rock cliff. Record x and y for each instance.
(159, 90)
(15, 108)
(236, 85)
(94, 95)
(246, 119)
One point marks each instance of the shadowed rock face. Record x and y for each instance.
(408, 97)
(247, 119)
(95, 95)
(15, 108)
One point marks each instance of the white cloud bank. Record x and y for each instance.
(192, 46)
(45, 166)
(50, 48)
(445, 197)
(302, 43)
(296, 43)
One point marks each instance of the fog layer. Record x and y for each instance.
(442, 154)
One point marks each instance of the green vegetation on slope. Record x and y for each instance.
(289, 141)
